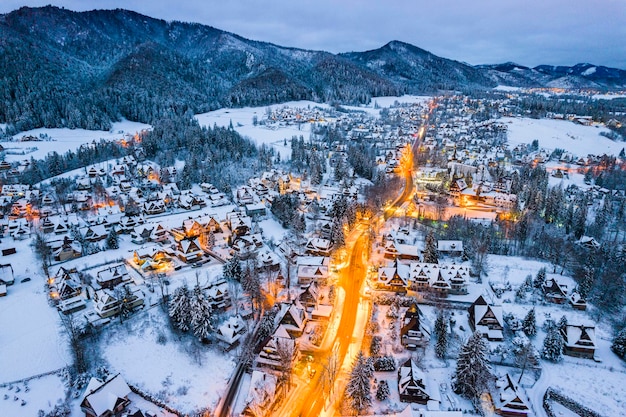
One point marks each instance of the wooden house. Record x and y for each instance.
(554, 292)
(112, 276)
(508, 398)
(579, 340)
(230, 331)
(269, 355)
(105, 399)
(412, 385)
(413, 333)
(486, 318)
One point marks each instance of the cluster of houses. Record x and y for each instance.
(111, 293)
(406, 272)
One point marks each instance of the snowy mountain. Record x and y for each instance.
(577, 76)
(67, 69)
(419, 70)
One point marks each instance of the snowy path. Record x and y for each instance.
(536, 393)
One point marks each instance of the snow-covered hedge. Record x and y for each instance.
(576, 407)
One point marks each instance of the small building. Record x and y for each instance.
(229, 332)
(486, 318)
(112, 276)
(264, 393)
(413, 333)
(509, 399)
(394, 277)
(452, 248)
(579, 340)
(105, 399)
(312, 273)
(554, 291)
(318, 247)
(292, 316)
(279, 343)
(256, 210)
(108, 303)
(189, 250)
(412, 385)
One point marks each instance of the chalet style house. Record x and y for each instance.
(413, 334)
(579, 340)
(486, 318)
(412, 384)
(105, 399)
(509, 399)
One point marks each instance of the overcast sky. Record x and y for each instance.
(529, 32)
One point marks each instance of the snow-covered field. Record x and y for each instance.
(577, 139)
(30, 340)
(63, 140)
(274, 136)
(26, 399)
(174, 368)
(269, 135)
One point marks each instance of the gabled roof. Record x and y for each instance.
(509, 397)
(105, 396)
(580, 336)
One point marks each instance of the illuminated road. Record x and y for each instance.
(309, 399)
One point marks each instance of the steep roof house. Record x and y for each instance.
(412, 384)
(509, 399)
(105, 399)
(579, 340)
(486, 318)
(112, 276)
(413, 333)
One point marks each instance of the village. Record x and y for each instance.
(121, 251)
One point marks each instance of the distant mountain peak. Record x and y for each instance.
(100, 65)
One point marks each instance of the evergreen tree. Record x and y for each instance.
(251, 284)
(337, 235)
(382, 392)
(358, 389)
(266, 326)
(375, 345)
(472, 371)
(112, 239)
(586, 283)
(619, 344)
(562, 324)
(180, 308)
(553, 345)
(441, 333)
(430, 250)
(529, 324)
(200, 314)
(232, 269)
(540, 279)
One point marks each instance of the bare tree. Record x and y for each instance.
(330, 371)
(286, 351)
(525, 356)
(76, 342)
(42, 251)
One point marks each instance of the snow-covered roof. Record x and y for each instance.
(103, 396)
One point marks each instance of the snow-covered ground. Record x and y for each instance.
(64, 139)
(26, 399)
(551, 134)
(31, 340)
(270, 135)
(275, 136)
(173, 368)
